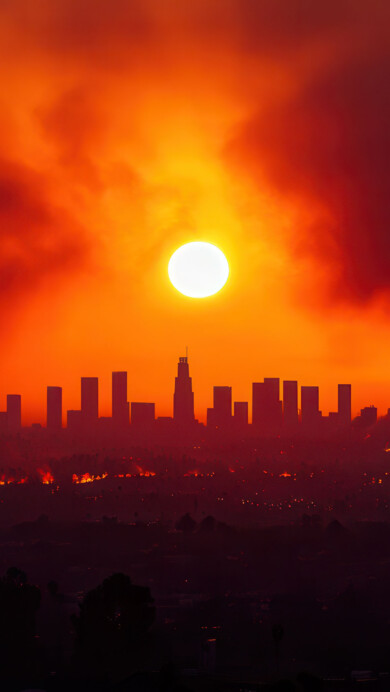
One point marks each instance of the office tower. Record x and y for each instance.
(266, 406)
(3, 422)
(183, 398)
(310, 408)
(344, 405)
(241, 414)
(274, 407)
(331, 421)
(368, 416)
(271, 388)
(120, 406)
(210, 414)
(222, 405)
(142, 415)
(89, 402)
(258, 404)
(290, 405)
(14, 412)
(54, 408)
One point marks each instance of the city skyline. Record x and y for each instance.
(275, 404)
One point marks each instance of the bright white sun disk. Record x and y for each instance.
(198, 269)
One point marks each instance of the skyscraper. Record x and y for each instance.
(266, 406)
(3, 422)
(274, 407)
(310, 408)
(142, 415)
(54, 408)
(271, 388)
(241, 414)
(368, 416)
(183, 398)
(290, 405)
(258, 404)
(89, 402)
(222, 406)
(344, 405)
(120, 406)
(14, 412)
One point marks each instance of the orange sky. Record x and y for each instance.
(129, 128)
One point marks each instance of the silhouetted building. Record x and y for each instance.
(14, 412)
(74, 421)
(142, 415)
(333, 418)
(241, 414)
(164, 423)
(258, 404)
(266, 406)
(54, 408)
(271, 386)
(120, 405)
(344, 404)
(3, 422)
(164, 420)
(310, 412)
(290, 405)
(183, 398)
(222, 407)
(368, 416)
(89, 402)
(210, 418)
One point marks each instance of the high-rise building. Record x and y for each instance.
(210, 415)
(344, 405)
(54, 408)
(14, 412)
(142, 415)
(266, 406)
(258, 404)
(271, 388)
(310, 412)
(290, 405)
(120, 405)
(368, 416)
(241, 414)
(3, 422)
(183, 398)
(274, 407)
(331, 421)
(222, 406)
(74, 421)
(89, 402)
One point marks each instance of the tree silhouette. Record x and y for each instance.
(207, 524)
(112, 626)
(186, 524)
(19, 602)
(335, 530)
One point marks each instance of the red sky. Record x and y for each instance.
(129, 128)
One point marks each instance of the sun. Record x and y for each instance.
(198, 269)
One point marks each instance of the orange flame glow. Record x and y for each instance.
(46, 477)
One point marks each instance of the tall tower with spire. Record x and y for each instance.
(183, 398)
